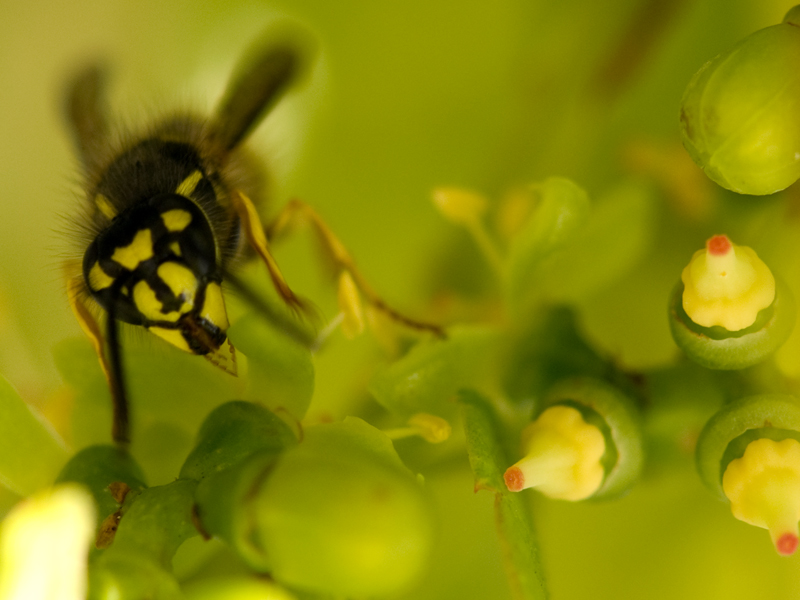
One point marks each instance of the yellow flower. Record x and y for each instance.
(726, 285)
(763, 487)
(562, 456)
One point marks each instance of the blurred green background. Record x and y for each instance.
(406, 96)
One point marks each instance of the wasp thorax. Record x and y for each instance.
(156, 266)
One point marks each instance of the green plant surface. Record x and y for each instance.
(572, 107)
(32, 454)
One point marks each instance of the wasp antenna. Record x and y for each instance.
(252, 91)
(87, 112)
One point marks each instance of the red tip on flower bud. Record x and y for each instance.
(786, 544)
(719, 245)
(515, 479)
(726, 285)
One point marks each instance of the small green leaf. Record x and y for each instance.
(617, 235)
(520, 548)
(512, 510)
(97, 467)
(486, 456)
(156, 522)
(428, 377)
(139, 562)
(562, 208)
(231, 433)
(341, 514)
(31, 454)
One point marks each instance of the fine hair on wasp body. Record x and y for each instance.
(167, 213)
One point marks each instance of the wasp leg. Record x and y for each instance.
(254, 232)
(120, 430)
(111, 366)
(297, 210)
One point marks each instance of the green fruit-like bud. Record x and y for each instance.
(131, 577)
(234, 587)
(749, 454)
(337, 514)
(717, 348)
(732, 428)
(740, 115)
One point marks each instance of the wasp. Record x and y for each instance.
(169, 211)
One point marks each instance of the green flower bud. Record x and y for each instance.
(728, 311)
(605, 442)
(749, 455)
(740, 115)
(337, 514)
(727, 434)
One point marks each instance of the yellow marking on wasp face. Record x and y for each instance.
(188, 185)
(173, 336)
(176, 219)
(140, 249)
(144, 298)
(180, 280)
(98, 280)
(214, 307)
(176, 248)
(104, 205)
